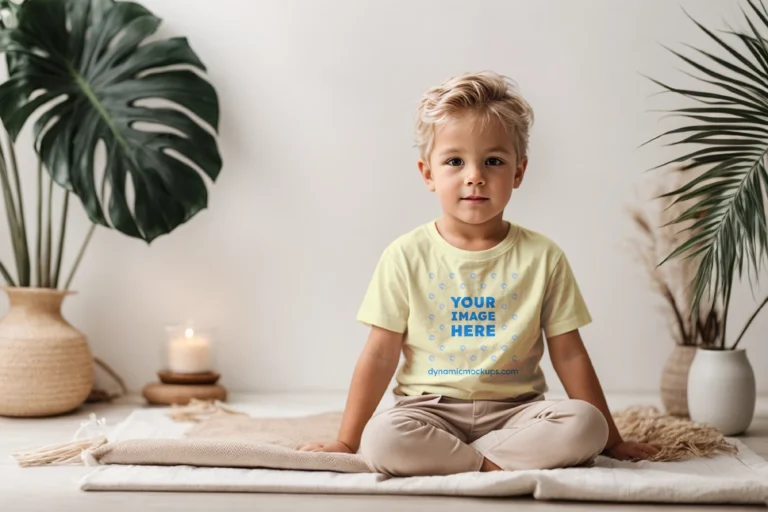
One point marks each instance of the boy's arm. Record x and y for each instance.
(574, 368)
(373, 372)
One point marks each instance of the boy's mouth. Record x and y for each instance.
(475, 199)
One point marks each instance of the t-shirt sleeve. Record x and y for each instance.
(564, 308)
(385, 303)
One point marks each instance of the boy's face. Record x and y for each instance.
(473, 168)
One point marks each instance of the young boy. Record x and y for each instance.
(468, 299)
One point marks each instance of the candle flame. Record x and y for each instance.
(189, 333)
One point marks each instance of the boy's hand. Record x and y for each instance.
(628, 450)
(335, 446)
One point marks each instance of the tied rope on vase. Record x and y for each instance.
(102, 395)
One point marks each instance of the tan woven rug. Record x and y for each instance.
(223, 437)
(226, 451)
(679, 438)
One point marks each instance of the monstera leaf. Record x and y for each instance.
(84, 68)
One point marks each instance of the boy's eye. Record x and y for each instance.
(454, 161)
(494, 161)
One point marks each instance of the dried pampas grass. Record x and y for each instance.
(672, 280)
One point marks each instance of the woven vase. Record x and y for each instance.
(674, 380)
(46, 366)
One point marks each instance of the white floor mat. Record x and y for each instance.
(722, 479)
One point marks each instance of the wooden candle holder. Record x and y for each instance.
(169, 377)
(181, 388)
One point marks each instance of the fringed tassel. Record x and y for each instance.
(80, 451)
(58, 454)
(198, 410)
(678, 438)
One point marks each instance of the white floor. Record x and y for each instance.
(54, 488)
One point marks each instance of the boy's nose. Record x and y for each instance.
(474, 177)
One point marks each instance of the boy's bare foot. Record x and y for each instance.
(489, 466)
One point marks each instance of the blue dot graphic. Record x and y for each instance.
(451, 275)
(442, 347)
(514, 317)
(503, 327)
(514, 276)
(483, 347)
(431, 316)
(503, 347)
(442, 306)
(482, 286)
(514, 337)
(462, 347)
(461, 286)
(472, 275)
(472, 358)
(442, 286)
(431, 358)
(514, 296)
(431, 296)
(503, 306)
(442, 327)
(503, 286)
(452, 358)
(514, 358)
(431, 275)
(493, 358)
(493, 275)
(431, 337)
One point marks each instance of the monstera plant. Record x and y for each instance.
(84, 69)
(124, 122)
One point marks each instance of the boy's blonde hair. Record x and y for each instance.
(486, 93)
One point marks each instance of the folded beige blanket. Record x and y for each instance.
(232, 440)
(226, 438)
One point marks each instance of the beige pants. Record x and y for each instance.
(438, 435)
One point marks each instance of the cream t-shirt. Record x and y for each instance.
(473, 320)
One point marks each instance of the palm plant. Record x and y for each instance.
(727, 124)
(84, 68)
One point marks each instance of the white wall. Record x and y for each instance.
(318, 99)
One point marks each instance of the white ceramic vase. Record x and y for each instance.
(721, 390)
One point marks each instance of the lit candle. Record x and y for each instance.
(189, 354)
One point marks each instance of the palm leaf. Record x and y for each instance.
(89, 69)
(727, 137)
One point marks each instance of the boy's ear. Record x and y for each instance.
(520, 172)
(426, 174)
